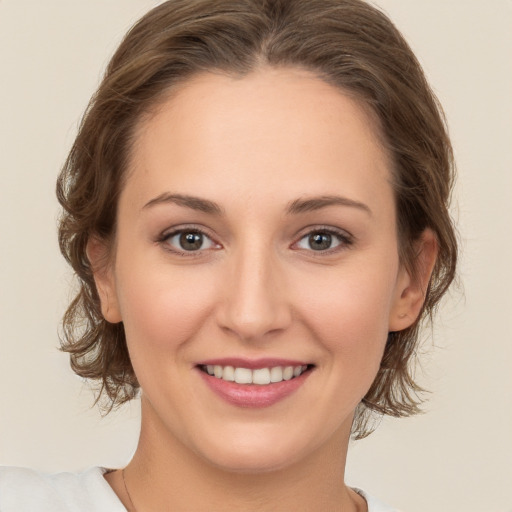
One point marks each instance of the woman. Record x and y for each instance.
(257, 208)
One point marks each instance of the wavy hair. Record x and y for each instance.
(348, 44)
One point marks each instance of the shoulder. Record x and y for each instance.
(26, 490)
(375, 505)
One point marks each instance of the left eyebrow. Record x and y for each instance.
(317, 203)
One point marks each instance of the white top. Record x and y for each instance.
(26, 490)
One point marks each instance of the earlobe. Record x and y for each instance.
(97, 254)
(412, 286)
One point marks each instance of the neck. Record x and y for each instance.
(164, 474)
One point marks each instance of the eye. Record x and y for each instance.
(323, 240)
(189, 240)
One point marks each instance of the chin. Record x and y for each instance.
(261, 452)
(252, 461)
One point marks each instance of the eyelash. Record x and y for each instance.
(345, 240)
(164, 239)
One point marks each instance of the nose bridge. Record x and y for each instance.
(255, 300)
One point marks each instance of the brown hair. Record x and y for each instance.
(348, 44)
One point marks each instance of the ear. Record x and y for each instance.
(104, 278)
(412, 287)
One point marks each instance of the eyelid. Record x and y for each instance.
(346, 239)
(169, 233)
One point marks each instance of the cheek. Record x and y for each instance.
(162, 307)
(349, 309)
(348, 316)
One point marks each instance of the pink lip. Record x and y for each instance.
(253, 395)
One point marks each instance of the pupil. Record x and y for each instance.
(191, 241)
(320, 241)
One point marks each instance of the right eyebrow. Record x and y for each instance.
(192, 202)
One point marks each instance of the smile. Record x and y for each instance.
(254, 383)
(260, 376)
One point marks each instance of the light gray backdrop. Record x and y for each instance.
(457, 457)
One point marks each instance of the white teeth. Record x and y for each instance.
(260, 376)
(229, 373)
(276, 374)
(243, 376)
(288, 373)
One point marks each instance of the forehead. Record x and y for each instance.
(276, 125)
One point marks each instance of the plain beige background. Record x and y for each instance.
(458, 456)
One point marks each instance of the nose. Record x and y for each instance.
(255, 301)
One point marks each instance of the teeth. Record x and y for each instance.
(276, 374)
(288, 373)
(228, 373)
(297, 371)
(243, 376)
(261, 376)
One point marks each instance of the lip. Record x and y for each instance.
(253, 395)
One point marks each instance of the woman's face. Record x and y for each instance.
(256, 232)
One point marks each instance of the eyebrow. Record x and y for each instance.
(192, 202)
(295, 207)
(317, 203)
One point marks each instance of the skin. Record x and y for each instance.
(256, 288)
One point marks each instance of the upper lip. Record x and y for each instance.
(252, 364)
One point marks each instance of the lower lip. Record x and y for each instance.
(253, 395)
